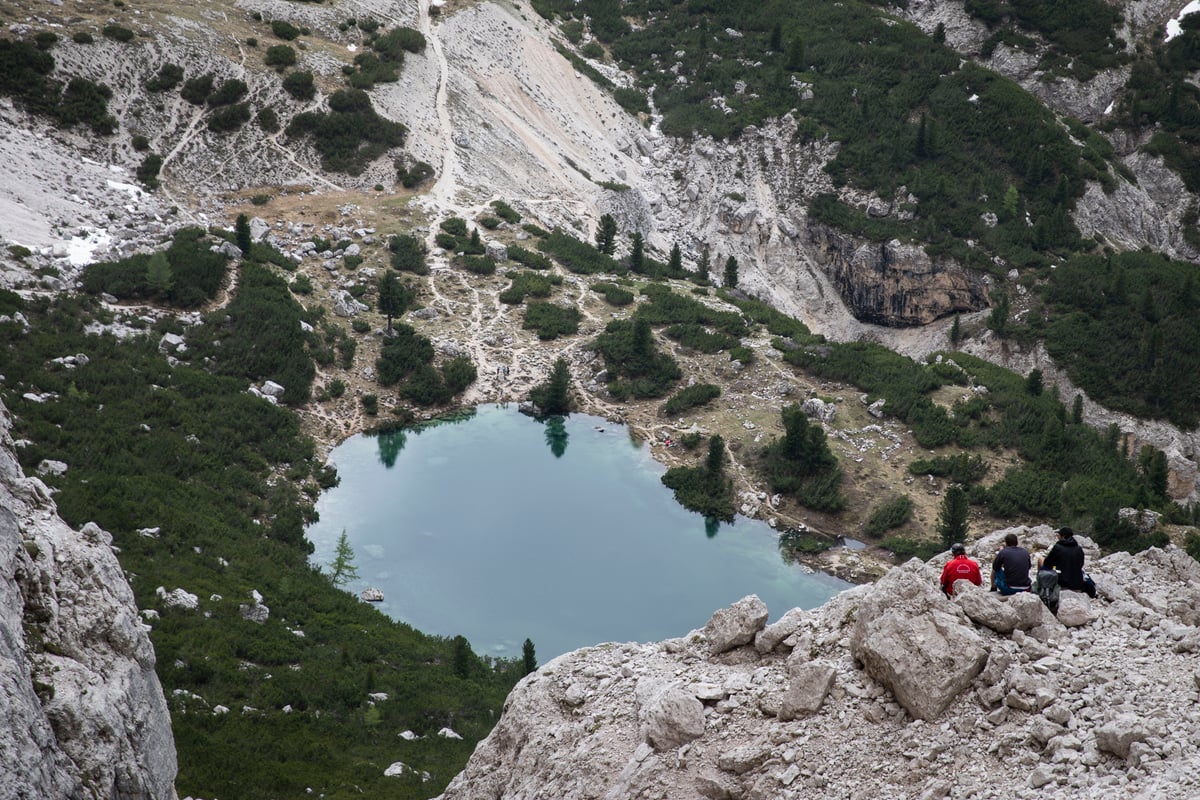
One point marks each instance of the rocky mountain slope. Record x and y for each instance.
(83, 711)
(887, 691)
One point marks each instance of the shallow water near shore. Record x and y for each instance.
(500, 527)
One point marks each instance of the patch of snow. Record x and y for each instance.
(81, 249)
(1173, 26)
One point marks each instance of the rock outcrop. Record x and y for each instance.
(83, 713)
(886, 691)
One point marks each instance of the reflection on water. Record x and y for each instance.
(469, 529)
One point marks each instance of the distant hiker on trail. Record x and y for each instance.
(959, 568)
(1066, 556)
(1010, 568)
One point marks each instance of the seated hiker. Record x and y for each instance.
(1066, 556)
(1010, 568)
(959, 568)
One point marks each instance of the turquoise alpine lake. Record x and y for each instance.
(499, 527)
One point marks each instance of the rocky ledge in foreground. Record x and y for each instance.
(82, 714)
(887, 691)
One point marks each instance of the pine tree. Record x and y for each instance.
(528, 658)
(158, 274)
(1077, 410)
(731, 272)
(475, 241)
(394, 297)
(553, 396)
(1033, 383)
(939, 33)
(343, 569)
(637, 254)
(795, 55)
(606, 235)
(955, 331)
(675, 262)
(776, 43)
(952, 519)
(921, 149)
(241, 230)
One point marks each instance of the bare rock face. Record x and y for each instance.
(892, 283)
(82, 709)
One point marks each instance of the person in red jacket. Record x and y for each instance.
(959, 568)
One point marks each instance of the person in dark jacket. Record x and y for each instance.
(1066, 556)
(1012, 564)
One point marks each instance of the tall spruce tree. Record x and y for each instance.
(952, 518)
(241, 231)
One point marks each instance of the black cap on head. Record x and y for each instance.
(1065, 533)
(958, 549)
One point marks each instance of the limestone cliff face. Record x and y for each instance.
(886, 691)
(82, 714)
(892, 283)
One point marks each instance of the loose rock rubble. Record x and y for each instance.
(887, 691)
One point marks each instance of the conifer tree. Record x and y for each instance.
(394, 297)
(343, 569)
(606, 235)
(159, 275)
(675, 262)
(637, 254)
(528, 658)
(952, 519)
(241, 230)
(955, 331)
(731, 272)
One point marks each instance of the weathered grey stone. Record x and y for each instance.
(743, 759)
(734, 626)
(769, 637)
(1117, 735)
(807, 690)
(497, 251)
(344, 304)
(985, 608)
(915, 642)
(674, 719)
(1074, 609)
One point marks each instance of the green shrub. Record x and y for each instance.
(408, 254)
(528, 284)
(890, 514)
(300, 85)
(455, 226)
(551, 321)
(147, 171)
(528, 258)
(118, 33)
(268, 120)
(139, 142)
(639, 370)
(279, 56)
(962, 468)
(229, 92)
(800, 463)
(614, 295)
(505, 212)
(480, 265)
(578, 257)
(196, 90)
(694, 396)
(489, 222)
(44, 40)
(82, 37)
(414, 174)
(196, 272)
(302, 285)
(284, 30)
(229, 118)
(905, 548)
(351, 135)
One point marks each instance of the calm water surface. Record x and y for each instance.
(501, 527)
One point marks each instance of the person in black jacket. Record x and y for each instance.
(1066, 556)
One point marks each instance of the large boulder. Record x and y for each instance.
(915, 642)
(675, 718)
(807, 690)
(735, 626)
